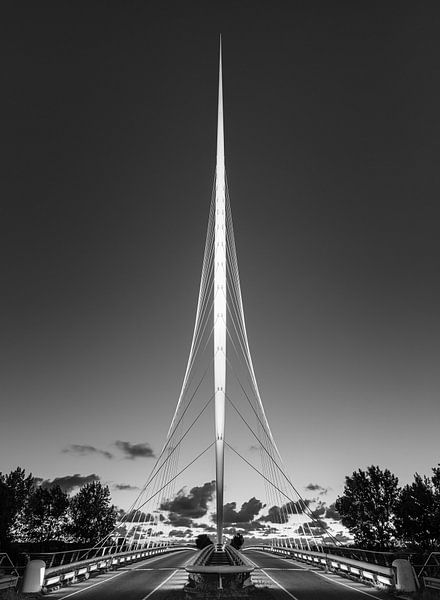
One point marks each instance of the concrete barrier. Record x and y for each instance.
(33, 576)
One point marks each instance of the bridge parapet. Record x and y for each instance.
(8, 573)
(429, 572)
(68, 570)
(371, 573)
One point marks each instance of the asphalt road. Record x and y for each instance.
(285, 578)
(163, 577)
(157, 577)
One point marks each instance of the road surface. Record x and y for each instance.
(285, 578)
(163, 577)
(157, 578)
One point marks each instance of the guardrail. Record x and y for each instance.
(370, 556)
(56, 576)
(8, 573)
(373, 574)
(65, 557)
(429, 572)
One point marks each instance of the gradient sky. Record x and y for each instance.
(332, 151)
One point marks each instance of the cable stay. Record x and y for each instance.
(219, 371)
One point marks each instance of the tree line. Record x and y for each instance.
(32, 513)
(383, 516)
(379, 513)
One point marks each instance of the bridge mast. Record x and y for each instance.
(220, 308)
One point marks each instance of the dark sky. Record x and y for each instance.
(108, 153)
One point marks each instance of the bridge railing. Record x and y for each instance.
(429, 572)
(384, 559)
(8, 573)
(370, 572)
(73, 566)
(66, 557)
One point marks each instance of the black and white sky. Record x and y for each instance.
(108, 153)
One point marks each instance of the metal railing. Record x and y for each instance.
(66, 557)
(429, 572)
(374, 557)
(8, 573)
(368, 572)
(64, 568)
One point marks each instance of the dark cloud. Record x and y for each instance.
(124, 486)
(69, 482)
(247, 512)
(193, 504)
(179, 521)
(132, 451)
(206, 527)
(180, 533)
(319, 511)
(138, 516)
(332, 513)
(252, 526)
(316, 527)
(315, 487)
(280, 514)
(254, 448)
(84, 450)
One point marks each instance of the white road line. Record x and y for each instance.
(285, 569)
(160, 585)
(152, 569)
(279, 585)
(317, 573)
(94, 585)
(120, 572)
(272, 579)
(346, 585)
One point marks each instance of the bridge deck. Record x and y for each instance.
(163, 578)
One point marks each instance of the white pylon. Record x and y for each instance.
(220, 308)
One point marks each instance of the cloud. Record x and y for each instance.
(254, 448)
(192, 504)
(280, 514)
(178, 521)
(332, 513)
(319, 511)
(132, 451)
(252, 526)
(180, 533)
(315, 487)
(84, 450)
(247, 512)
(69, 482)
(206, 527)
(137, 516)
(124, 486)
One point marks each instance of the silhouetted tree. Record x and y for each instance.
(15, 490)
(418, 513)
(367, 507)
(203, 540)
(91, 514)
(6, 514)
(237, 541)
(46, 514)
